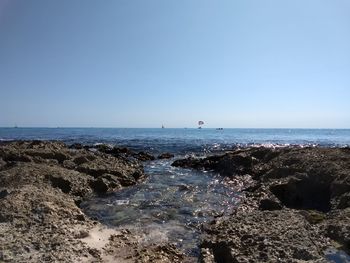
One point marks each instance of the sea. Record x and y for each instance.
(182, 140)
(172, 203)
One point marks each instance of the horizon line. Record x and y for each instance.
(97, 127)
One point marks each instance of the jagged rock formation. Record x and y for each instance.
(297, 204)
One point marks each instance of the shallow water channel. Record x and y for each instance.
(169, 206)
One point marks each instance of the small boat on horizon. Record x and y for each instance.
(163, 126)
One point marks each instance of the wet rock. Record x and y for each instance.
(304, 187)
(106, 183)
(337, 227)
(77, 146)
(234, 164)
(122, 152)
(185, 187)
(190, 162)
(99, 185)
(114, 151)
(103, 148)
(227, 165)
(144, 156)
(119, 151)
(109, 165)
(138, 174)
(165, 156)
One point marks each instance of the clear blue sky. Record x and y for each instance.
(125, 63)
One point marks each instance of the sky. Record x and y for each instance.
(144, 63)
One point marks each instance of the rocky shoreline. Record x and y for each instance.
(295, 204)
(41, 187)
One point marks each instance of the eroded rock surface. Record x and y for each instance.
(265, 236)
(122, 152)
(297, 206)
(41, 187)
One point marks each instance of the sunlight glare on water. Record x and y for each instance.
(170, 205)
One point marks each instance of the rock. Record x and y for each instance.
(77, 146)
(41, 190)
(229, 164)
(269, 204)
(106, 183)
(160, 253)
(80, 160)
(3, 193)
(280, 172)
(15, 157)
(303, 194)
(2, 163)
(337, 227)
(234, 164)
(125, 153)
(264, 236)
(184, 187)
(115, 151)
(207, 256)
(165, 156)
(188, 163)
(313, 216)
(59, 182)
(344, 201)
(100, 185)
(69, 164)
(144, 156)
(304, 187)
(47, 154)
(112, 166)
(103, 148)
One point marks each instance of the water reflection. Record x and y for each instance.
(169, 206)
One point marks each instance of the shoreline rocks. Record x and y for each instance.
(294, 206)
(41, 187)
(297, 207)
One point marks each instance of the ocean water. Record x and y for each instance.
(172, 203)
(182, 140)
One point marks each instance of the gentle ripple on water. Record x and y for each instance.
(169, 206)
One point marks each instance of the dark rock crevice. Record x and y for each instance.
(222, 254)
(304, 194)
(60, 183)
